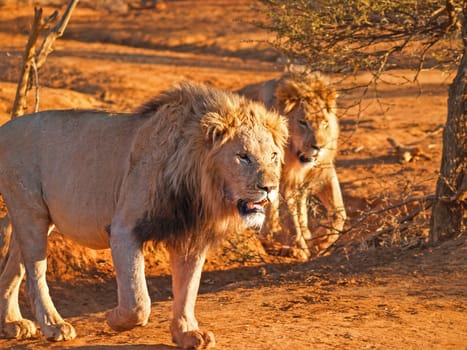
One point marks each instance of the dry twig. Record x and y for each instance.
(407, 154)
(34, 60)
(425, 203)
(38, 26)
(55, 33)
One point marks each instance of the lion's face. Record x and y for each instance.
(313, 133)
(309, 103)
(250, 166)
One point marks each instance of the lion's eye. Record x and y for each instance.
(303, 123)
(244, 159)
(274, 156)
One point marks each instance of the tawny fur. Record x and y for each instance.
(185, 168)
(309, 103)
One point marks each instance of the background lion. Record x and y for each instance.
(188, 166)
(309, 103)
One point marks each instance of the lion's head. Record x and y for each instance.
(220, 161)
(248, 162)
(310, 105)
(246, 154)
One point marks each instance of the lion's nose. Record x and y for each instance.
(314, 150)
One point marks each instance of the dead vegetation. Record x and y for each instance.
(34, 58)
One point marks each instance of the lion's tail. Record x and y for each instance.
(5, 238)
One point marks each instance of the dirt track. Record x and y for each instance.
(400, 297)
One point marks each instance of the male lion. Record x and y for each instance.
(309, 104)
(188, 166)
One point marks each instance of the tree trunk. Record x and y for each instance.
(449, 215)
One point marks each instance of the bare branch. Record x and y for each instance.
(407, 154)
(55, 33)
(33, 60)
(19, 105)
(402, 222)
(425, 203)
(36, 85)
(429, 198)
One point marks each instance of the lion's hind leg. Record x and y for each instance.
(12, 323)
(30, 223)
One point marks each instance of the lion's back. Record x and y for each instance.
(67, 140)
(74, 160)
(262, 92)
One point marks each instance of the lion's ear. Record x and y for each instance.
(215, 134)
(213, 126)
(287, 95)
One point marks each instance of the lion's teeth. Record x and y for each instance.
(260, 204)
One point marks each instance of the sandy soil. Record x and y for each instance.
(376, 291)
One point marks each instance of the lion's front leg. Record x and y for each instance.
(272, 224)
(271, 231)
(331, 197)
(186, 276)
(134, 304)
(299, 229)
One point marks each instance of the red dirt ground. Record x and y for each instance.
(377, 291)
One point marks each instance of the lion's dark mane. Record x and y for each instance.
(175, 219)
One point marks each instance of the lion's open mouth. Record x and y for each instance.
(305, 159)
(249, 207)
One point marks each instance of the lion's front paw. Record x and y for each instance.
(322, 246)
(59, 332)
(121, 319)
(294, 252)
(21, 329)
(196, 340)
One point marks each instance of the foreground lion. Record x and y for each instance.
(309, 103)
(190, 165)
